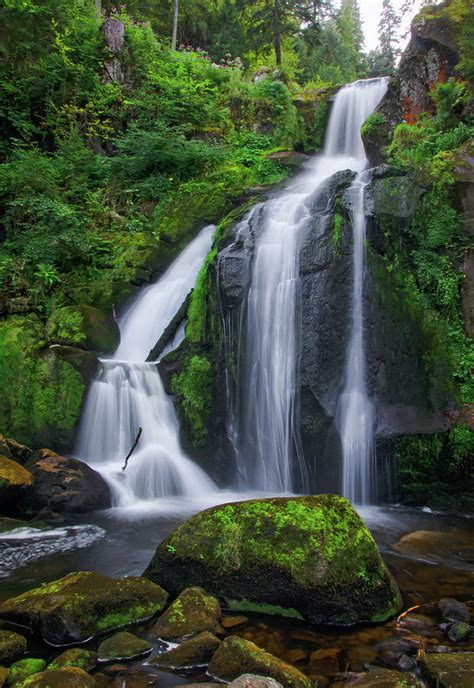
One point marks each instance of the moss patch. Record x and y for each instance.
(191, 613)
(12, 646)
(25, 668)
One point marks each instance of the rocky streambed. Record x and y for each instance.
(88, 629)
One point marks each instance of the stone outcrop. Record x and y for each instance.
(308, 557)
(430, 58)
(62, 485)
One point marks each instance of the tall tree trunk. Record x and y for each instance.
(98, 7)
(276, 32)
(175, 25)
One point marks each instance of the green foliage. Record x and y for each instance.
(194, 386)
(371, 124)
(338, 226)
(66, 326)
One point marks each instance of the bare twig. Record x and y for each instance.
(137, 438)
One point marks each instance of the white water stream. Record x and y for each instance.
(265, 430)
(128, 394)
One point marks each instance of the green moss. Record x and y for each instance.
(75, 657)
(371, 124)
(290, 534)
(35, 386)
(336, 239)
(66, 326)
(25, 668)
(194, 388)
(273, 609)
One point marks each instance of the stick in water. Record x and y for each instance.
(137, 438)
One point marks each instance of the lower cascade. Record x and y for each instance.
(128, 394)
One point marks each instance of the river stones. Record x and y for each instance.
(459, 631)
(252, 681)
(25, 668)
(122, 647)
(12, 646)
(82, 605)
(75, 657)
(4, 674)
(309, 557)
(195, 652)
(192, 612)
(63, 485)
(69, 677)
(454, 670)
(237, 656)
(453, 610)
(382, 678)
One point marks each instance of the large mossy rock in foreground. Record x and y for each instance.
(82, 605)
(310, 557)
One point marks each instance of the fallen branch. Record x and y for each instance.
(137, 438)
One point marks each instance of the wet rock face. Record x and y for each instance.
(15, 480)
(326, 283)
(83, 605)
(309, 557)
(63, 485)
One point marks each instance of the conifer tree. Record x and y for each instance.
(388, 36)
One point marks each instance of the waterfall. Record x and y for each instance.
(128, 393)
(265, 422)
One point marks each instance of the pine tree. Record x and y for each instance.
(388, 36)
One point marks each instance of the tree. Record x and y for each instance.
(175, 25)
(388, 36)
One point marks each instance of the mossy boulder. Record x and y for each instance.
(310, 557)
(75, 657)
(69, 677)
(396, 196)
(122, 647)
(454, 670)
(82, 605)
(25, 668)
(14, 479)
(84, 326)
(193, 653)
(63, 485)
(192, 612)
(382, 678)
(12, 646)
(237, 656)
(4, 674)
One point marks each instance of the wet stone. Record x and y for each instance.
(69, 677)
(75, 657)
(4, 674)
(325, 661)
(123, 646)
(253, 681)
(455, 670)
(459, 632)
(192, 612)
(196, 652)
(233, 621)
(25, 668)
(453, 610)
(381, 678)
(12, 646)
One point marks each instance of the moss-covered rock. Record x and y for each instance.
(193, 653)
(82, 605)
(9, 524)
(383, 678)
(75, 657)
(310, 557)
(192, 612)
(4, 674)
(454, 670)
(237, 656)
(14, 479)
(12, 646)
(24, 668)
(123, 646)
(396, 196)
(84, 326)
(69, 677)
(41, 393)
(63, 485)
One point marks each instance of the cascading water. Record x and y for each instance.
(128, 394)
(265, 412)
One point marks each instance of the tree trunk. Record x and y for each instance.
(276, 33)
(98, 7)
(175, 25)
